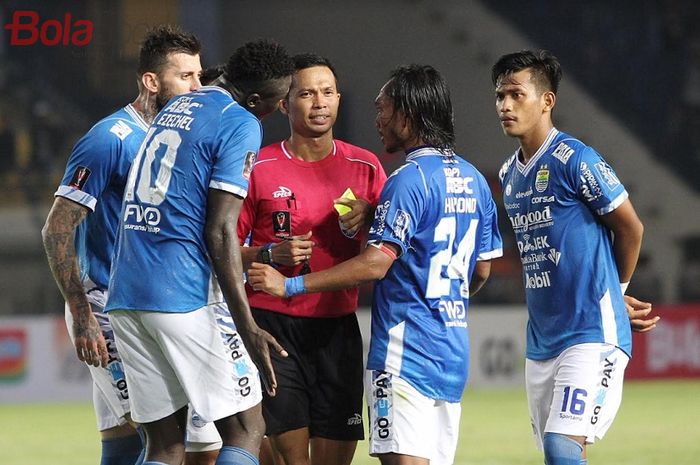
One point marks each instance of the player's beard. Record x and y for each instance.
(162, 97)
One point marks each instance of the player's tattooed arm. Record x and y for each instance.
(58, 237)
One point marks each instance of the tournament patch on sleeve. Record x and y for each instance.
(80, 177)
(250, 157)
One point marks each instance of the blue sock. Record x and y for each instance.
(561, 450)
(230, 455)
(121, 451)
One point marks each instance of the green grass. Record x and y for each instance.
(657, 424)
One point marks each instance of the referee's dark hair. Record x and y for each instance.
(310, 60)
(421, 93)
(544, 67)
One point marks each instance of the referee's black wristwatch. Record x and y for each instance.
(266, 254)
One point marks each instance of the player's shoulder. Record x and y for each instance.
(507, 166)
(565, 146)
(356, 154)
(120, 126)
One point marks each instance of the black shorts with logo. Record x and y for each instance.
(319, 385)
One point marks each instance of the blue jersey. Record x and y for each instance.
(95, 177)
(438, 209)
(569, 269)
(199, 141)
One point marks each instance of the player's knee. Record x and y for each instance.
(560, 449)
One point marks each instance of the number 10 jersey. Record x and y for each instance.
(199, 141)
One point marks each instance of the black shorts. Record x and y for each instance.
(319, 385)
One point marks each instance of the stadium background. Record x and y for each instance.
(631, 89)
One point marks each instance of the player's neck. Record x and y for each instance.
(145, 105)
(310, 148)
(532, 141)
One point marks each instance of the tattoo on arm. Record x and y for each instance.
(58, 236)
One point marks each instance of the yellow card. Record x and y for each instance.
(343, 209)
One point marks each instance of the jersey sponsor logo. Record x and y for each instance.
(379, 223)
(354, 420)
(511, 206)
(282, 223)
(542, 199)
(282, 193)
(520, 195)
(248, 164)
(138, 218)
(590, 190)
(607, 174)
(537, 280)
(554, 255)
(605, 377)
(459, 185)
(80, 177)
(25, 30)
(542, 179)
(456, 313)
(121, 129)
(178, 114)
(241, 370)
(381, 395)
(460, 205)
(531, 220)
(563, 152)
(402, 221)
(530, 244)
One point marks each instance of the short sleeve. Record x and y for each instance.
(400, 207)
(598, 185)
(92, 162)
(491, 245)
(236, 147)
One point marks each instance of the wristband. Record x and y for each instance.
(623, 286)
(294, 286)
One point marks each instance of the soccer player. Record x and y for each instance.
(430, 245)
(80, 230)
(579, 239)
(177, 233)
(290, 217)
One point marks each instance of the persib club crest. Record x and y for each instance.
(542, 179)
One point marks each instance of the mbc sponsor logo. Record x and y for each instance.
(27, 28)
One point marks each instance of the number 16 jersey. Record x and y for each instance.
(199, 141)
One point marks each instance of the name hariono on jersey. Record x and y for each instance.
(438, 209)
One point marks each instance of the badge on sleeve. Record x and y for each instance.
(248, 164)
(80, 177)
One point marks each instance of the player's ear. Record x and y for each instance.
(252, 100)
(549, 99)
(284, 106)
(150, 82)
